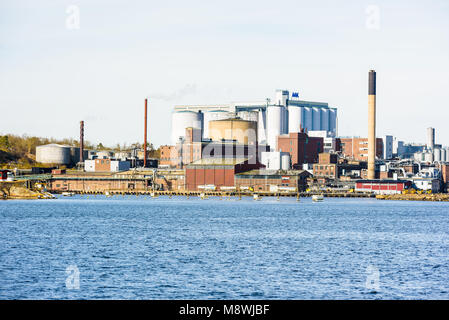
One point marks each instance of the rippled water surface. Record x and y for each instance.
(140, 248)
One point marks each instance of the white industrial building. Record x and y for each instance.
(276, 160)
(286, 115)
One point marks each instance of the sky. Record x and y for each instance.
(66, 61)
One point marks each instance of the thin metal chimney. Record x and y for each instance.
(372, 124)
(81, 141)
(145, 136)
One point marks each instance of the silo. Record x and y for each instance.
(308, 123)
(285, 161)
(445, 155)
(244, 132)
(316, 119)
(284, 124)
(53, 153)
(436, 154)
(210, 116)
(333, 120)
(182, 120)
(428, 157)
(274, 123)
(261, 127)
(325, 119)
(295, 118)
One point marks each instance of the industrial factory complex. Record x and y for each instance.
(283, 145)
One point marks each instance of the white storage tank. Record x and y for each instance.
(284, 127)
(274, 125)
(333, 121)
(428, 157)
(436, 154)
(444, 155)
(285, 161)
(325, 119)
(308, 123)
(316, 119)
(182, 120)
(53, 153)
(295, 118)
(211, 116)
(262, 127)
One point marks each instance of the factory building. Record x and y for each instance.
(106, 165)
(382, 186)
(265, 181)
(357, 148)
(288, 114)
(301, 147)
(387, 142)
(330, 144)
(215, 173)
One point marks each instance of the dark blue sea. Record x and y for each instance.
(141, 248)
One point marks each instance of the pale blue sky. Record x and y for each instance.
(199, 52)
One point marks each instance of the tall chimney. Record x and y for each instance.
(430, 138)
(145, 136)
(82, 141)
(371, 124)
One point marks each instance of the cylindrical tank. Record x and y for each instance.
(316, 119)
(182, 120)
(325, 119)
(443, 155)
(262, 127)
(284, 124)
(210, 116)
(333, 121)
(430, 138)
(436, 154)
(274, 125)
(285, 161)
(295, 118)
(428, 157)
(308, 123)
(53, 153)
(242, 131)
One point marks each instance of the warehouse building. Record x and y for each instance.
(216, 172)
(266, 181)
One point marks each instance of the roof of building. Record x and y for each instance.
(218, 162)
(384, 181)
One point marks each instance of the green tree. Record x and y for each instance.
(4, 143)
(100, 146)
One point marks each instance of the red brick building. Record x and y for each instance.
(217, 172)
(302, 148)
(357, 148)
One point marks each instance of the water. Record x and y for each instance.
(140, 248)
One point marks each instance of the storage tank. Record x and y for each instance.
(285, 161)
(262, 127)
(53, 153)
(308, 123)
(244, 132)
(182, 120)
(428, 157)
(316, 119)
(436, 154)
(333, 121)
(325, 119)
(295, 118)
(284, 124)
(274, 125)
(444, 155)
(248, 115)
(211, 116)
